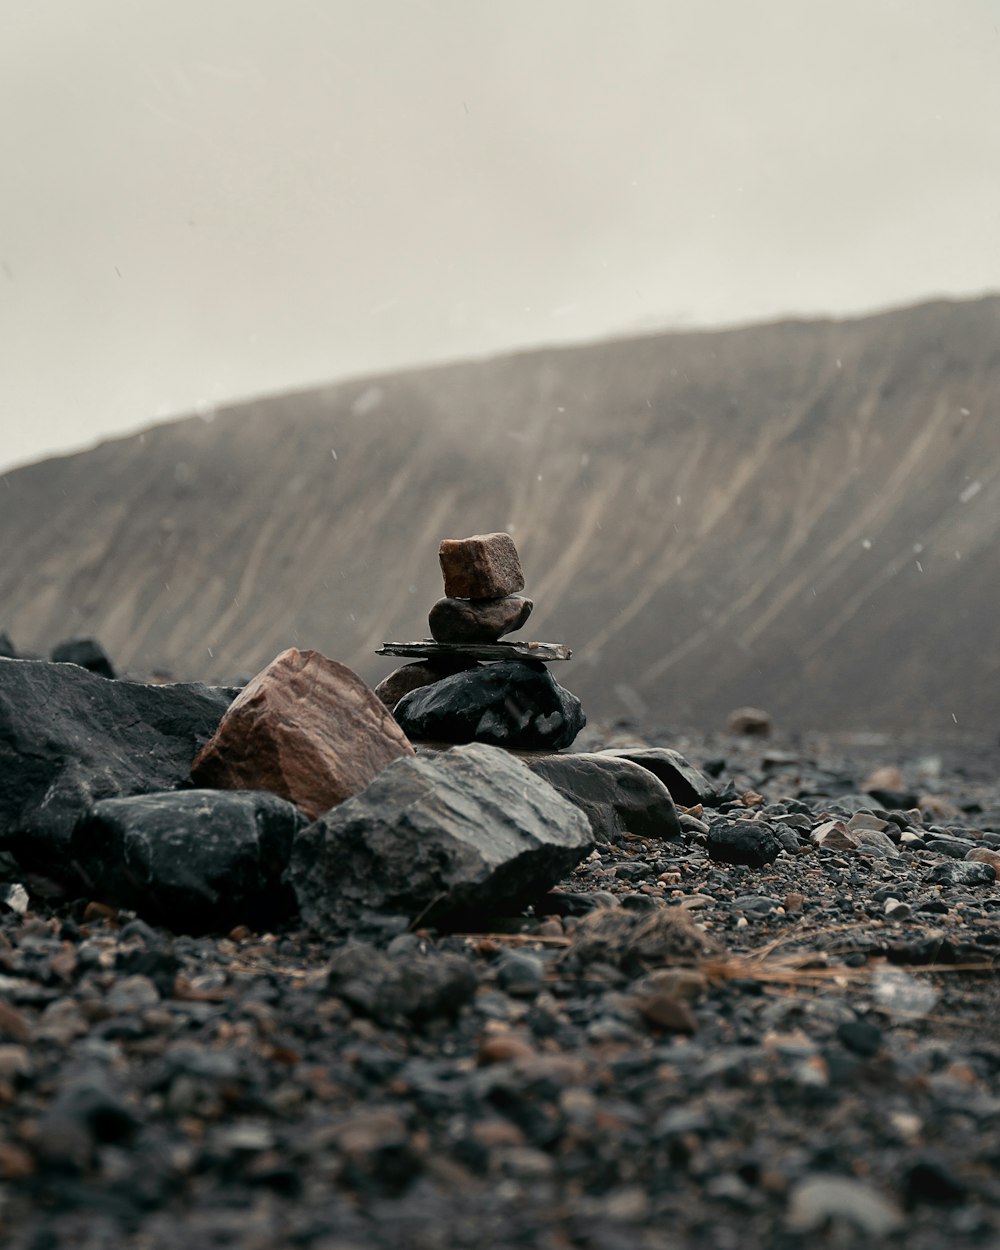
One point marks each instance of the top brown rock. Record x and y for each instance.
(485, 566)
(305, 728)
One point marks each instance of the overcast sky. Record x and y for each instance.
(202, 200)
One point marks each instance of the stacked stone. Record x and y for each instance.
(482, 575)
(448, 695)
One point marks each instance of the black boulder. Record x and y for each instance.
(508, 704)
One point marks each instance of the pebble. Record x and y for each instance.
(564, 1081)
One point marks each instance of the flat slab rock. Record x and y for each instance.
(510, 705)
(470, 831)
(485, 566)
(196, 861)
(539, 651)
(305, 728)
(69, 737)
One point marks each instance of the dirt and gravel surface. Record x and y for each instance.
(670, 1051)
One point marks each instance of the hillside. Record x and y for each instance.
(803, 516)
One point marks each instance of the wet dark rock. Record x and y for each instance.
(614, 794)
(520, 974)
(197, 861)
(413, 676)
(962, 872)
(7, 649)
(509, 704)
(401, 988)
(687, 785)
(930, 1180)
(470, 830)
(69, 738)
(87, 1112)
(88, 653)
(900, 800)
(743, 842)
(478, 620)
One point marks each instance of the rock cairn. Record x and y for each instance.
(466, 684)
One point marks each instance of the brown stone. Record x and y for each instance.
(478, 620)
(505, 1048)
(665, 1012)
(885, 777)
(12, 1024)
(750, 721)
(15, 1162)
(985, 855)
(412, 676)
(485, 566)
(305, 728)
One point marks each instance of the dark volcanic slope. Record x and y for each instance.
(803, 516)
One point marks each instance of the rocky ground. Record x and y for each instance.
(669, 1051)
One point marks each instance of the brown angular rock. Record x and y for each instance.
(485, 566)
(478, 620)
(835, 836)
(412, 676)
(306, 728)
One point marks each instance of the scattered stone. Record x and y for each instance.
(470, 830)
(69, 738)
(307, 729)
(7, 649)
(508, 704)
(478, 620)
(407, 988)
(864, 1037)
(962, 872)
(196, 861)
(895, 909)
(873, 839)
(834, 835)
(13, 1026)
(665, 1012)
(985, 855)
(614, 794)
(636, 942)
(821, 1200)
(743, 842)
(954, 848)
(520, 974)
(86, 653)
(88, 1112)
(930, 1180)
(14, 897)
(750, 721)
(423, 673)
(485, 566)
(887, 777)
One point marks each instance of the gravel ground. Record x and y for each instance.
(668, 1052)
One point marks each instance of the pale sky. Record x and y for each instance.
(202, 200)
